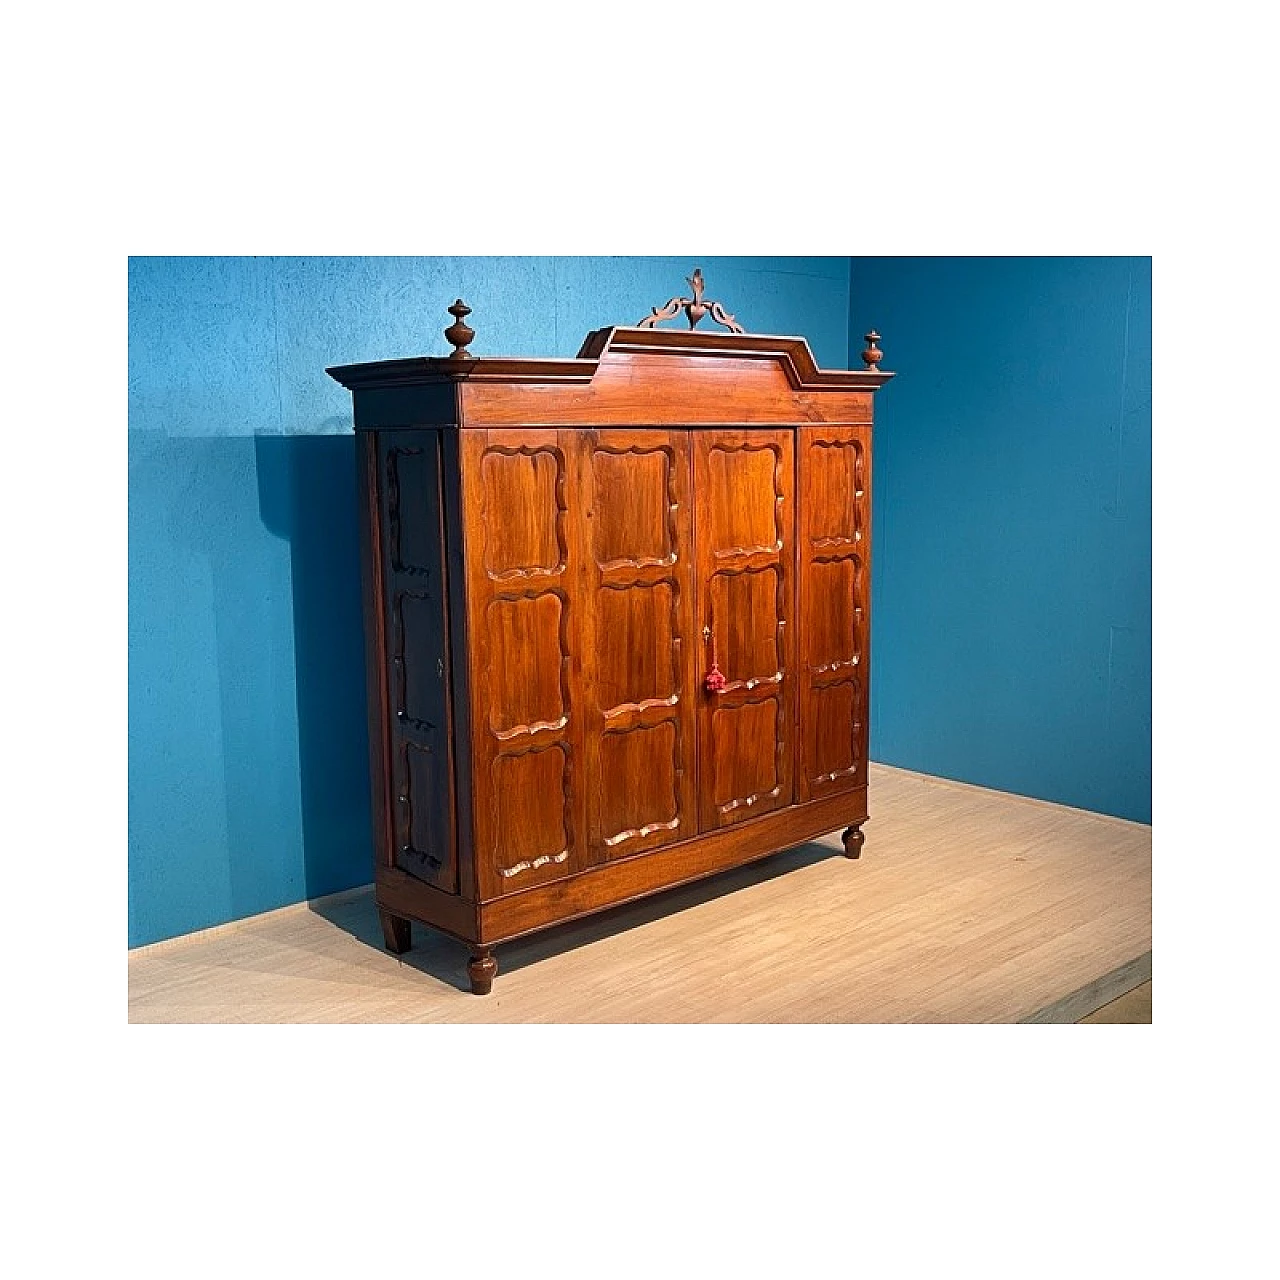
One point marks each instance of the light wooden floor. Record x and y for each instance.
(966, 906)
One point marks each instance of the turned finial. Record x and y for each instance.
(872, 356)
(460, 333)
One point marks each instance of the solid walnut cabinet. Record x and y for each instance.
(617, 620)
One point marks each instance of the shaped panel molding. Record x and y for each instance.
(532, 814)
(745, 763)
(524, 511)
(421, 835)
(747, 493)
(412, 501)
(636, 656)
(528, 652)
(833, 619)
(747, 612)
(834, 478)
(836, 491)
(833, 732)
(418, 660)
(636, 782)
(633, 510)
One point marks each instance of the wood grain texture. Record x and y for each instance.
(635, 589)
(744, 562)
(662, 390)
(833, 551)
(527, 743)
(976, 907)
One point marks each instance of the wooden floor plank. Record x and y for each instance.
(966, 906)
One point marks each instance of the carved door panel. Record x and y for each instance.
(526, 718)
(835, 536)
(420, 796)
(744, 554)
(632, 526)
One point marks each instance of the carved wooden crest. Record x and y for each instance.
(694, 308)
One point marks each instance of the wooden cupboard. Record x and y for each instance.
(617, 620)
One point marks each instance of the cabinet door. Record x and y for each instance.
(744, 553)
(632, 522)
(835, 538)
(528, 811)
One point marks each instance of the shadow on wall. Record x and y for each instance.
(307, 495)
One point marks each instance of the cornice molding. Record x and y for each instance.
(792, 354)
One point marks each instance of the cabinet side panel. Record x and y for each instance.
(417, 711)
(527, 801)
(368, 449)
(834, 466)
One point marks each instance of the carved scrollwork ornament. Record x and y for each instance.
(694, 308)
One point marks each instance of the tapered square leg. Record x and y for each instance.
(397, 932)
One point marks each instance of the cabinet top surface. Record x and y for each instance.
(617, 343)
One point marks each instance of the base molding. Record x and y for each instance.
(614, 883)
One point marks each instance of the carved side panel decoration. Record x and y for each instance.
(745, 552)
(633, 526)
(527, 744)
(419, 803)
(417, 648)
(411, 480)
(420, 796)
(834, 478)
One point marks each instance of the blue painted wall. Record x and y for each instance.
(1012, 624)
(247, 740)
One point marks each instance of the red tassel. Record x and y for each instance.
(715, 680)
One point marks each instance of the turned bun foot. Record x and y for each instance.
(853, 842)
(482, 970)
